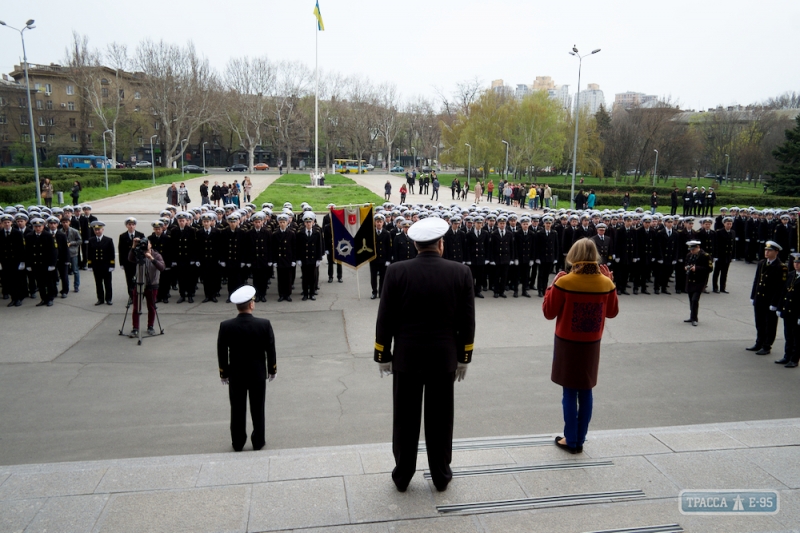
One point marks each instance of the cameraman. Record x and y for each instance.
(149, 264)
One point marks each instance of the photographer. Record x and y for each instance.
(150, 264)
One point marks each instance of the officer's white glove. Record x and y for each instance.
(241, 265)
(660, 261)
(299, 262)
(197, 263)
(326, 252)
(773, 308)
(516, 261)
(555, 261)
(269, 264)
(538, 261)
(530, 263)
(616, 259)
(174, 264)
(752, 302)
(674, 262)
(111, 269)
(316, 263)
(468, 263)
(29, 269)
(191, 263)
(486, 262)
(461, 372)
(385, 369)
(747, 240)
(715, 259)
(221, 263)
(778, 313)
(680, 260)
(51, 268)
(388, 263)
(635, 259)
(21, 266)
(271, 377)
(565, 255)
(737, 238)
(295, 263)
(798, 321)
(224, 381)
(492, 263)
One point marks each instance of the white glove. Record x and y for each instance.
(21, 266)
(737, 238)
(221, 263)
(111, 269)
(680, 260)
(197, 263)
(269, 264)
(316, 263)
(461, 372)
(174, 264)
(530, 263)
(241, 265)
(388, 263)
(51, 268)
(248, 264)
(271, 377)
(747, 240)
(326, 252)
(492, 263)
(224, 381)
(635, 259)
(660, 261)
(555, 261)
(778, 313)
(798, 321)
(773, 308)
(752, 302)
(294, 263)
(486, 262)
(715, 259)
(616, 259)
(385, 369)
(538, 261)
(299, 262)
(191, 263)
(29, 269)
(516, 261)
(674, 262)
(468, 263)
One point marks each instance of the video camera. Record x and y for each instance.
(140, 250)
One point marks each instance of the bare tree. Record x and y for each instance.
(388, 119)
(360, 117)
(182, 90)
(247, 108)
(292, 82)
(80, 61)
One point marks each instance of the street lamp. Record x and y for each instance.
(29, 26)
(436, 146)
(105, 163)
(469, 161)
(574, 52)
(506, 143)
(414, 164)
(727, 166)
(655, 169)
(182, 158)
(153, 157)
(204, 155)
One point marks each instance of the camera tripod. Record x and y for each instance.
(142, 279)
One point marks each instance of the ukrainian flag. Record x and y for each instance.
(320, 24)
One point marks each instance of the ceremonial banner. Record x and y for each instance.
(353, 234)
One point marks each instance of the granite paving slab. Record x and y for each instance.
(479, 489)
(687, 441)
(618, 446)
(136, 478)
(531, 455)
(783, 463)
(378, 527)
(15, 515)
(766, 436)
(68, 514)
(451, 524)
(376, 461)
(470, 458)
(374, 497)
(789, 513)
(315, 466)
(234, 472)
(298, 504)
(47, 484)
(206, 510)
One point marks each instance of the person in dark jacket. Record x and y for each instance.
(547, 253)
(789, 311)
(765, 297)
(723, 255)
(282, 249)
(147, 279)
(673, 201)
(383, 256)
(698, 266)
(102, 262)
(424, 336)
(308, 253)
(41, 256)
(123, 247)
(246, 356)
(477, 254)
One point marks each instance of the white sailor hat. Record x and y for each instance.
(723, 209)
(455, 219)
(86, 207)
(233, 217)
(309, 215)
(3, 218)
(183, 215)
(428, 230)
(283, 217)
(166, 213)
(502, 218)
(601, 226)
(795, 257)
(258, 216)
(772, 245)
(53, 220)
(786, 216)
(379, 216)
(478, 218)
(209, 216)
(524, 218)
(37, 221)
(727, 219)
(287, 204)
(157, 224)
(547, 218)
(98, 224)
(406, 222)
(21, 216)
(692, 244)
(689, 220)
(243, 294)
(219, 210)
(130, 220)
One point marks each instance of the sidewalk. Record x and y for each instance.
(626, 479)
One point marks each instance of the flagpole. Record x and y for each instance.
(316, 108)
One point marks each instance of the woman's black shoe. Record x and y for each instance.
(564, 446)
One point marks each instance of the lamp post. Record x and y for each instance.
(105, 163)
(506, 171)
(436, 146)
(414, 153)
(204, 155)
(574, 52)
(469, 161)
(655, 169)
(727, 165)
(182, 149)
(153, 158)
(29, 26)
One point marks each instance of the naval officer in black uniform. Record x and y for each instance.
(427, 309)
(246, 354)
(766, 297)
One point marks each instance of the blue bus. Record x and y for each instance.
(82, 161)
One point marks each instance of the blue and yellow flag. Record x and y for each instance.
(320, 24)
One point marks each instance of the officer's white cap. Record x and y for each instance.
(428, 230)
(243, 295)
(692, 244)
(772, 245)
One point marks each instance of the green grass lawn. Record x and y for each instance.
(290, 188)
(90, 194)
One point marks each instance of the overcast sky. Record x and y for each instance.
(698, 52)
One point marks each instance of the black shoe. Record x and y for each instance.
(288, 298)
(6, 297)
(790, 365)
(41, 304)
(496, 295)
(191, 299)
(18, 303)
(687, 321)
(705, 291)
(227, 300)
(635, 291)
(564, 446)
(626, 293)
(644, 291)
(782, 361)
(99, 302)
(330, 280)
(109, 302)
(723, 291)
(213, 300)
(479, 295)
(181, 300)
(715, 291)
(694, 323)
(206, 300)
(151, 331)
(312, 297)
(374, 296)
(665, 291)
(502, 295)
(281, 299)
(442, 487)
(63, 295)
(305, 298)
(754, 348)
(12, 303)
(516, 294)
(525, 294)
(133, 333)
(541, 294)
(340, 280)
(763, 351)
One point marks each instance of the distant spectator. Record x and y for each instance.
(478, 191)
(387, 190)
(183, 196)
(215, 194)
(47, 192)
(247, 185)
(172, 195)
(76, 192)
(591, 199)
(403, 191)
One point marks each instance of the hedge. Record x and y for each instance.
(27, 175)
(14, 194)
(643, 200)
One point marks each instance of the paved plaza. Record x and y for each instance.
(100, 434)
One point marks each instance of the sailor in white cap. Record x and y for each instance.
(102, 262)
(789, 311)
(246, 355)
(40, 251)
(310, 250)
(428, 354)
(698, 265)
(283, 256)
(124, 245)
(767, 287)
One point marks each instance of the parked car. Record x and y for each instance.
(370, 167)
(426, 170)
(236, 168)
(397, 168)
(143, 164)
(261, 166)
(194, 169)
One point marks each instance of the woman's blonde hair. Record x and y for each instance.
(582, 251)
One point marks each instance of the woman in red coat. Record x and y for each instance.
(580, 302)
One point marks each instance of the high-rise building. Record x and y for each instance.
(543, 83)
(560, 93)
(632, 99)
(522, 91)
(592, 98)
